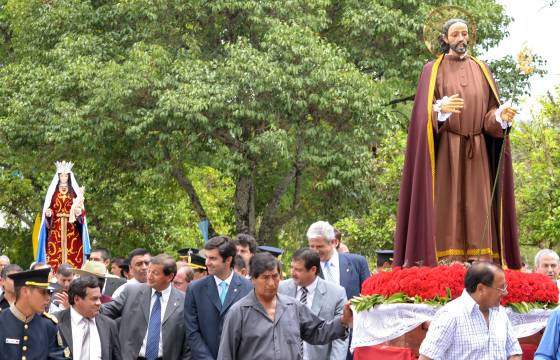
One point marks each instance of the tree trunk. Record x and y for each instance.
(245, 205)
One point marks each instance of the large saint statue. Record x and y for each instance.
(446, 210)
(63, 237)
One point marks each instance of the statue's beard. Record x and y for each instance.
(459, 47)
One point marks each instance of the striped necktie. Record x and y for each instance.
(303, 299)
(84, 354)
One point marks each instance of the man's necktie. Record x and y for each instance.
(84, 354)
(303, 299)
(328, 273)
(154, 329)
(223, 291)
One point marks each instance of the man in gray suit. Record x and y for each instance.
(325, 300)
(152, 322)
(86, 334)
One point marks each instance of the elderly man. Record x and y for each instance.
(185, 275)
(325, 300)
(546, 263)
(344, 269)
(265, 325)
(474, 326)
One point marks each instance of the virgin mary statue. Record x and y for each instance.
(63, 237)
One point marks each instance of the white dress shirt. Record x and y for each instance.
(163, 301)
(219, 281)
(78, 336)
(334, 267)
(310, 295)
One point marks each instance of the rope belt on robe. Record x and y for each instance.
(469, 139)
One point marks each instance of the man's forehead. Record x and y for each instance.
(548, 259)
(458, 26)
(270, 272)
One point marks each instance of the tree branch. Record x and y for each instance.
(178, 172)
(404, 99)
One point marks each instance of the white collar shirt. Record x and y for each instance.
(334, 267)
(219, 281)
(310, 292)
(78, 336)
(163, 301)
(459, 331)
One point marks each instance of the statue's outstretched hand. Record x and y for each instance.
(452, 104)
(508, 113)
(48, 213)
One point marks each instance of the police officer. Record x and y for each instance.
(27, 332)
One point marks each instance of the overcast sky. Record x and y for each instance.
(534, 22)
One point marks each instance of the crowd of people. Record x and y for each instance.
(228, 300)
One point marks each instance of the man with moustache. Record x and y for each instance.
(26, 330)
(324, 298)
(455, 137)
(86, 333)
(209, 299)
(474, 326)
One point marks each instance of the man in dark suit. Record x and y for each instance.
(24, 334)
(208, 299)
(152, 322)
(86, 333)
(344, 269)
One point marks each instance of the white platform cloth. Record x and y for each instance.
(388, 322)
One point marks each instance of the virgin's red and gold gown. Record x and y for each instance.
(60, 206)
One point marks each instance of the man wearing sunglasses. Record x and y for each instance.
(474, 326)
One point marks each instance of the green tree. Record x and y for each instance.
(536, 152)
(285, 99)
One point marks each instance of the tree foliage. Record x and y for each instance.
(537, 173)
(260, 116)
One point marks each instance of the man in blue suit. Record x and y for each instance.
(344, 269)
(208, 299)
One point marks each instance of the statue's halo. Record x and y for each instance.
(437, 18)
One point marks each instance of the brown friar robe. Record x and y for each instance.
(463, 181)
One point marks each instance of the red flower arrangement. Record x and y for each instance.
(434, 284)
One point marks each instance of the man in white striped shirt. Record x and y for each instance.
(474, 326)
